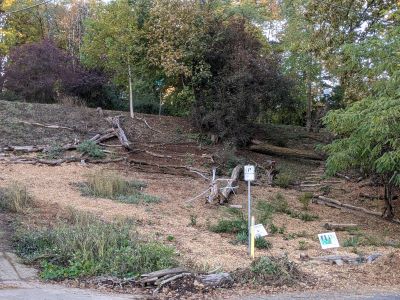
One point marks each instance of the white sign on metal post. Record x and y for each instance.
(259, 231)
(249, 173)
(328, 240)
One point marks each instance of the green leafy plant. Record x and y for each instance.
(91, 149)
(262, 243)
(170, 238)
(305, 200)
(193, 220)
(303, 245)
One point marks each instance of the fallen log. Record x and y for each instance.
(215, 280)
(285, 152)
(339, 227)
(337, 204)
(342, 259)
(26, 149)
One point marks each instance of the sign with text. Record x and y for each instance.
(259, 231)
(328, 240)
(249, 173)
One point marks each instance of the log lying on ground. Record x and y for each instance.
(337, 204)
(215, 280)
(339, 227)
(286, 152)
(26, 149)
(344, 259)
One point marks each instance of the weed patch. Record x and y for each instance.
(90, 247)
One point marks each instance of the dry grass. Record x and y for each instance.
(15, 198)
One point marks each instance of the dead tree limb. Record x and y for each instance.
(339, 227)
(231, 184)
(114, 121)
(47, 125)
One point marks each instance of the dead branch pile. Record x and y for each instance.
(161, 278)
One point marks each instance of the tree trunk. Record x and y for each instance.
(309, 106)
(130, 91)
(389, 213)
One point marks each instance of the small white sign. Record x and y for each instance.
(259, 231)
(249, 173)
(328, 240)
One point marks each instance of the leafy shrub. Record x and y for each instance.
(283, 180)
(305, 200)
(262, 243)
(54, 151)
(15, 198)
(230, 226)
(90, 247)
(91, 149)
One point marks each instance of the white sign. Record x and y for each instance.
(259, 231)
(328, 240)
(249, 173)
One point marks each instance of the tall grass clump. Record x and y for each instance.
(15, 198)
(111, 186)
(90, 247)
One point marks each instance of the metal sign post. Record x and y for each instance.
(249, 176)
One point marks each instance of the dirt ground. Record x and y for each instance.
(197, 246)
(178, 145)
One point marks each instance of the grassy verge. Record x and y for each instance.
(112, 186)
(86, 246)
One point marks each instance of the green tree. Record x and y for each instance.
(114, 41)
(368, 131)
